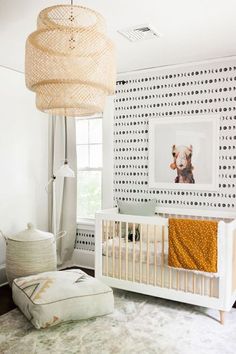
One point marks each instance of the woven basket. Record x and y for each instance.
(30, 252)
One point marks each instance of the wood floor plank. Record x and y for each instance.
(6, 302)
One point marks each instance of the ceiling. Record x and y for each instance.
(192, 30)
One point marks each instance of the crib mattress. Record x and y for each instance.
(143, 252)
(149, 253)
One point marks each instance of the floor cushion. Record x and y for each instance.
(49, 298)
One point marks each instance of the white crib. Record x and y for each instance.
(142, 266)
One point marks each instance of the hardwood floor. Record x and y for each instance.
(6, 302)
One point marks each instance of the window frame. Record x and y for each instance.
(107, 159)
(81, 220)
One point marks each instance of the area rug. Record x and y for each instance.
(139, 324)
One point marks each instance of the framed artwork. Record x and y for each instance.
(184, 152)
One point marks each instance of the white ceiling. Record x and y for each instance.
(192, 30)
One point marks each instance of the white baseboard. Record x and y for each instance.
(3, 277)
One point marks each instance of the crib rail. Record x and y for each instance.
(137, 251)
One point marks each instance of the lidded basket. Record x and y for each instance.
(30, 252)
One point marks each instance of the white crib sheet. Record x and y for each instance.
(119, 246)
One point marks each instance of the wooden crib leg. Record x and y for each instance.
(222, 317)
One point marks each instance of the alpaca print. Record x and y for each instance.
(182, 163)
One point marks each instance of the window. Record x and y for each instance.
(89, 165)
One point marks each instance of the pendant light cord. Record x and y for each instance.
(66, 160)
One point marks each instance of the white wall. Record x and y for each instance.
(23, 158)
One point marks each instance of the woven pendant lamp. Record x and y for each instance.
(70, 62)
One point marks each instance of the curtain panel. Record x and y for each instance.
(62, 205)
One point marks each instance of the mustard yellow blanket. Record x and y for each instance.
(193, 244)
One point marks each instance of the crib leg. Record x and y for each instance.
(222, 317)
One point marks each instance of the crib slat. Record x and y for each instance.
(116, 228)
(113, 249)
(211, 287)
(141, 254)
(107, 228)
(133, 268)
(126, 251)
(162, 255)
(103, 241)
(148, 256)
(120, 234)
(186, 281)
(155, 255)
(202, 285)
(177, 280)
(170, 278)
(110, 238)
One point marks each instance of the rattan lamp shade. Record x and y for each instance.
(70, 62)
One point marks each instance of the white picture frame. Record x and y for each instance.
(194, 142)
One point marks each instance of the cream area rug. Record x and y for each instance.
(139, 324)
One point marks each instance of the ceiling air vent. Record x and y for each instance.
(139, 33)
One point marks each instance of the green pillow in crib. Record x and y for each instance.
(142, 208)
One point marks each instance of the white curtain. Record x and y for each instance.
(65, 188)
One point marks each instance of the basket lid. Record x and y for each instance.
(31, 234)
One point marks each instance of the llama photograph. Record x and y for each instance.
(183, 152)
(183, 163)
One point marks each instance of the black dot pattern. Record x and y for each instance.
(191, 90)
(85, 240)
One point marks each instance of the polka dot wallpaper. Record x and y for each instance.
(195, 89)
(85, 240)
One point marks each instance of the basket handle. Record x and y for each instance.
(60, 234)
(5, 237)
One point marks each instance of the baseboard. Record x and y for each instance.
(3, 277)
